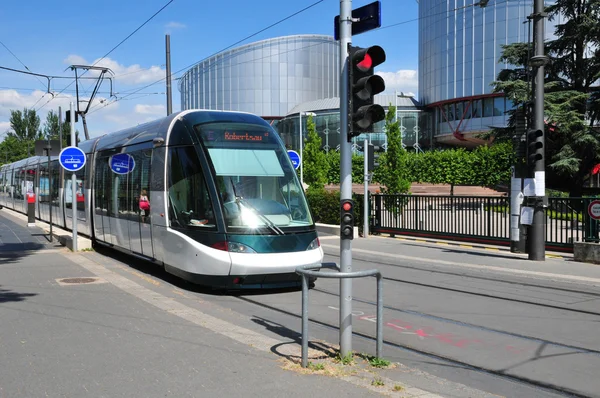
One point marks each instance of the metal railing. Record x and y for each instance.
(310, 270)
(482, 219)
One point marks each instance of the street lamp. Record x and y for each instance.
(302, 145)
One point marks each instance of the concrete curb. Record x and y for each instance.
(335, 230)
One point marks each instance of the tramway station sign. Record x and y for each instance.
(72, 158)
(122, 163)
(295, 158)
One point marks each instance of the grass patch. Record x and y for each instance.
(316, 366)
(398, 387)
(377, 382)
(347, 359)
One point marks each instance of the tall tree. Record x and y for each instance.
(51, 127)
(571, 101)
(393, 165)
(314, 159)
(25, 125)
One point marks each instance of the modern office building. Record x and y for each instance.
(267, 78)
(459, 48)
(326, 115)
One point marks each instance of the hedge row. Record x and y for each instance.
(483, 166)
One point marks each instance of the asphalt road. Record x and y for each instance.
(484, 319)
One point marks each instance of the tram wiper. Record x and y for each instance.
(241, 202)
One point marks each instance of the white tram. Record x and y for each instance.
(224, 205)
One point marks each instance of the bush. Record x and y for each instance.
(325, 206)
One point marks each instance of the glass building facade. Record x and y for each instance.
(267, 78)
(415, 126)
(460, 44)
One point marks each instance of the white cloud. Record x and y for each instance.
(405, 80)
(175, 25)
(133, 74)
(4, 127)
(158, 110)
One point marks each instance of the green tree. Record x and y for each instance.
(570, 101)
(393, 164)
(51, 127)
(314, 162)
(25, 125)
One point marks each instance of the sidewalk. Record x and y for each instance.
(72, 326)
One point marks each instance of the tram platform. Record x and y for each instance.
(81, 325)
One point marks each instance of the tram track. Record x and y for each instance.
(549, 387)
(592, 295)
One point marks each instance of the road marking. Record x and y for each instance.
(573, 278)
(492, 248)
(442, 243)
(467, 246)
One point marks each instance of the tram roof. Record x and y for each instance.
(160, 128)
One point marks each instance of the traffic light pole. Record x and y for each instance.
(537, 245)
(345, 179)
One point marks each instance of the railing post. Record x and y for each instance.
(379, 350)
(304, 321)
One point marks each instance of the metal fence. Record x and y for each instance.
(479, 219)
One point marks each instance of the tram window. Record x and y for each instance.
(189, 200)
(79, 191)
(17, 183)
(55, 171)
(139, 181)
(44, 183)
(100, 171)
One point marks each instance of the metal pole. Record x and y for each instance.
(301, 156)
(85, 129)
(169, 95)
(345, 179)
(366, 198)
(379, 350)
(49, 196)
(60, 127)
(537, 247)
(304, 321)
(73, 181)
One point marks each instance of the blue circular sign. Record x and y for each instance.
(72, 158)
(122, 163)
(295, 158)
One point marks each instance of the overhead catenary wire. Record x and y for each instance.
(21, 62)
(226, 48)
(211, 67)
(115, 47)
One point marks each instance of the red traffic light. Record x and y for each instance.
(364, 59)
(365, 64)
(347, 206)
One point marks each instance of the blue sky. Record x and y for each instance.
(49, 35)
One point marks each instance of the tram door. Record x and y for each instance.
(140, 230)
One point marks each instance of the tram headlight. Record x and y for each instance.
(235, 247)
(314, 244)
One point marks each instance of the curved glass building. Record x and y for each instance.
(267, 78)
(459, 48)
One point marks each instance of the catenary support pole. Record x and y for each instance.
(169, 94)
(73, 180)
(538, 227)
(345, 179)
(49, 195)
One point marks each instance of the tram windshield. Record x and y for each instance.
(255, 178)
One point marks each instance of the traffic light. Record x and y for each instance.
(372, 157)
(363, 84)
(347, 217)
(68, 117)
(535, 149)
